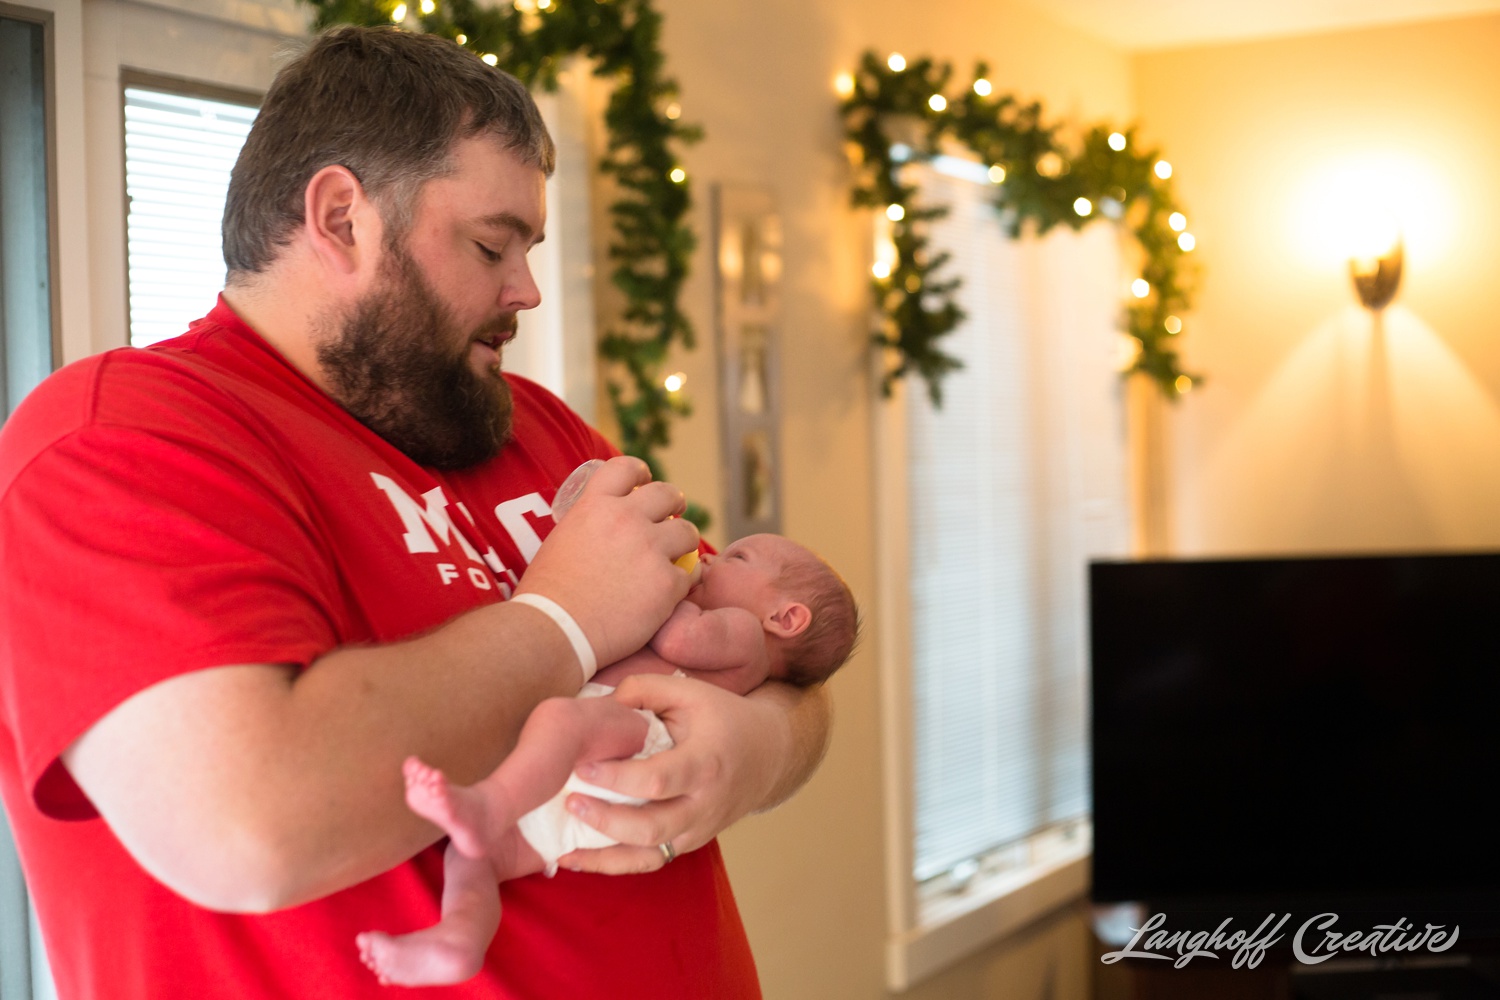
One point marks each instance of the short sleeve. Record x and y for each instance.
(131, 556)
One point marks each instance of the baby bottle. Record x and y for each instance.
(572, 488)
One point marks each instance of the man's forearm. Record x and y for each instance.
(808, 714)
(293, 787)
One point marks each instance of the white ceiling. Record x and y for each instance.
(1159, 24)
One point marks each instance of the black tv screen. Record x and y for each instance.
(1285, 730)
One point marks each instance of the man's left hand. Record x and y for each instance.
(734, 755)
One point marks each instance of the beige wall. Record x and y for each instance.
(1316, 431)
(809, 876)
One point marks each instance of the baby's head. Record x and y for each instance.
(806, 609)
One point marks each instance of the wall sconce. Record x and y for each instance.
(1377, 277)
(1376, 250)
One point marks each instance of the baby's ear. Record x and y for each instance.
(790, 619)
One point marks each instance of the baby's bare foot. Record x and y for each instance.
(457, 810)
(426, 958)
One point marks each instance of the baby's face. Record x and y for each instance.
(744, 575)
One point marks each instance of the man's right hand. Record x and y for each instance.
(610, 562)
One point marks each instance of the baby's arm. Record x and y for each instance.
(722, 639)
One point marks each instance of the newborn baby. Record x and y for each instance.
(765, 608)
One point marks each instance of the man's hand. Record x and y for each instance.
(734, 755)
(623, 527)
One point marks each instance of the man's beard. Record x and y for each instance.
(398, 365)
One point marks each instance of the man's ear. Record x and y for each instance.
(341, 223)
(790, 619)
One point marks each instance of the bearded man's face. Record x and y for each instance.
(400, 364)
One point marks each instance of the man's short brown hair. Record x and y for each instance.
(385, 103)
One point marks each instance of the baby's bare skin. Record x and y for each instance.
(486, 848)
(722, 635)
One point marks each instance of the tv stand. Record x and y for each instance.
(1421, 977)
(1280, 977)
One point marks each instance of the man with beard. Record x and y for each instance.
(251, 570)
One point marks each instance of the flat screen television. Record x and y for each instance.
(1285, 734)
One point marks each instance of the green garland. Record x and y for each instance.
(652, 245)
(1037, 180)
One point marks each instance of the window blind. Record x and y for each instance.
(179, 151)
(1006, 502)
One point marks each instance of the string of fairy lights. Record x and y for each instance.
(651, 246)
(894, 113)
(897, 112)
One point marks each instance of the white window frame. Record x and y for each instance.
(174, 87)
(991, 909)
(68, 222)
(926, 937)
(68, 243)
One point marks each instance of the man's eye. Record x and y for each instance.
(488, 254)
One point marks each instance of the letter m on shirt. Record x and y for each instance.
(426, 523)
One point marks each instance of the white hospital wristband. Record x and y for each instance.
(575, 636)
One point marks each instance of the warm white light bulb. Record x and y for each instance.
(674, 381)
(1050, 164)
(1140, 288)
(843, 85)
(895, 213)
(1083, 206)
(543, 4)
(1163, 169)
(673, 111)
(491, 58)
(1177, 221)
(462, 39)
(937, 102)
(982, 87)
(897, 62)
(1187, 241)
(1371, 233)
(1183, 384)
(1173, 325)
(1116, 141)
(399, 14)
(678, 175)
(997, 174)
(881, 270)
(428, 6)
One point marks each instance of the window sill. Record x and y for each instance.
(957, 928)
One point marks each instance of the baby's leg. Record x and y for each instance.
(451, 950)
(560, 734)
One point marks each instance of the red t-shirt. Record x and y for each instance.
(201, 503)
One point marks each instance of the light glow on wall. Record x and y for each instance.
(1359, 205)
